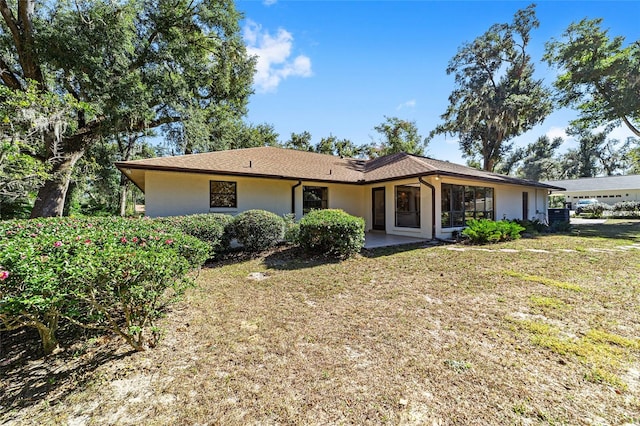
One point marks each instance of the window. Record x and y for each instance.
(408, 206)
(314, 197)
(222, 194)
(461, 203)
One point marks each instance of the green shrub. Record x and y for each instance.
(627, 206)
(595, 210)
(103, 273)
(626, 209)
(258, 230)
(483, 231)
(331, 232)
(212, 228)
(534, 226)
(291, 229)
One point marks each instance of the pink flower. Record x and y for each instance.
(4, 275)
(57, 244)
(169, 242)
(134, 239)
(123, 240)
(87, 241)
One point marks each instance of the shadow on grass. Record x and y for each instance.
(28, 378)
(619, 229)
(391, 250)
(294, 258)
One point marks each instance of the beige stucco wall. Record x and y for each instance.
(349, 198)
(170, 193)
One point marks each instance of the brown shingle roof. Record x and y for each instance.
(280, 163)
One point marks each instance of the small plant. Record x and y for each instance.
(484, 231)
(458, 366)
(332, 232)
(258, 230)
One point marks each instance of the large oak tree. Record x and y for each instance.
(128, 65)
(598, 75)
(496, 96)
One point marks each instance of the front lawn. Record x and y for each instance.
(535, 331)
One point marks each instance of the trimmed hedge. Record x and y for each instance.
(331, 232)
(483, 231)
(258, 230)
(110, 274)
(595, 210)
(216, 229)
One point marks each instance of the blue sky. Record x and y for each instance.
(339, 67)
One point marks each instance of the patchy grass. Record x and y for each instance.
(543, 280)
(420, 336)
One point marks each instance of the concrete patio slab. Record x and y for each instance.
(378, 239)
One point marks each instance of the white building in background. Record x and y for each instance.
(606, 189)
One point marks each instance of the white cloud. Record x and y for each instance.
(409, 104)
(557, 132)
(273, 53)
(269, 2)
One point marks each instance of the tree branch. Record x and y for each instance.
(10, 20)
(8, 77)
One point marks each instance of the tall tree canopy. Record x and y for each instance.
(536, 161)
(594, 155)
(496, 97)
(125, 66)
(598, 75)
(397, 135)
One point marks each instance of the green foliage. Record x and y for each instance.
(332, 232)
(594, 155)
(535, 161)
(595, 210)
(627, 206)
(212, 228)
(496, 97)
(397, 136)
(258, 230)
(556, 201)
(125, 67)
(598, 75)
(484, 231)
(534, 226)
(300, 142)
(103, 273)
(291, 229)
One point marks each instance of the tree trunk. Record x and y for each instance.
(123, 196)
(47, 332)
(51, 196)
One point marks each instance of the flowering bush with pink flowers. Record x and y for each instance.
(102, 273)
